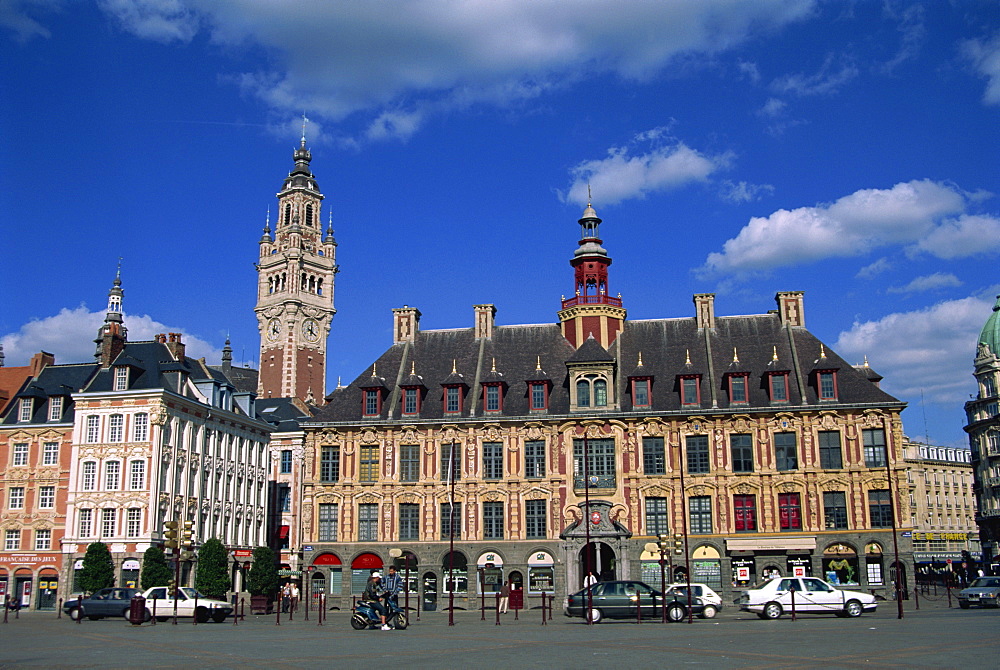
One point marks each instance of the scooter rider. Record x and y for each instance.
(374, 592)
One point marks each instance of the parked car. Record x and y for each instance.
(159, 597)
(711, 599)
(619, 600)
(112, 602)
(984, 591)
(811, 595)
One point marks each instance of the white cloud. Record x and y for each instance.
(70, 336)
(873, 270)
(830, 77)
(985, 57)
(744, 192)
(623, 175)
(912, 34)
(928, 351)
(962, 237)
(749, 70)
(908, 213)
(409, 56)
(932, 282)
(773, 108)
(19, 16)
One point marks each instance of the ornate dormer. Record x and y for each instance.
(454, 388)
(592, 310)
(592, 378)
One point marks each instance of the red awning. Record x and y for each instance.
(327, 559)
(369, 561)
(283, 533)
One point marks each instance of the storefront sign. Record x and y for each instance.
(800, 567)
(242, 553)
(490, 558)
(25, 559)
(742, 571)
(770, 543)
(961, 537)
(936, 556)
(540, 558)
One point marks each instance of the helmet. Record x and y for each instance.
(376, 574)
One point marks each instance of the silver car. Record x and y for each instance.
(984, 591)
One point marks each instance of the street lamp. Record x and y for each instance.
(687, 553)
(895, 543)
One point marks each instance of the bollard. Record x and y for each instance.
(277, 611)
(307, 607)
(498, 609)
(79, 610)
(916, 597)
(59, 609)
(236, 611)
(482, 603)
(291, 609)
(322, 610)
(194, 612)
(638, 607)
(154, 612)
(793, 604)
(543, 608)
(5, 608)
(948, 586)
(243, 609)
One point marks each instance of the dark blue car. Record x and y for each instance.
(114, 602)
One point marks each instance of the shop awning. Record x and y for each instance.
(769, 543)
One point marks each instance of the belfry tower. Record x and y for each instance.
(592, 310)
(295, 279)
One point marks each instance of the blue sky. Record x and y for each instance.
(845, 149)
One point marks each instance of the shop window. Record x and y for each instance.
(745, 513)
(653, 458)
(697, 454)
(741, 448)
(790, 511)
(785, 451)
(840, 564)
(873, 567)
(830, 457)
(455, 573)
(744, 572)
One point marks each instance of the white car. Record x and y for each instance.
(712, 600)
(808, 594)
(983, 591)
(189, 603)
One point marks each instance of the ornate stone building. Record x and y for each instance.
(746, 435)
(983, 427)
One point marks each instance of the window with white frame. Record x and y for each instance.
(116, 423)
(93, 429)
(43, 539)
(15, 499)
(12, 539)
(108, 519)
(50, 453)
(121, 378)
(86, 525)
(133, 522)
(112, 475)
(55, 408)
(88, 478)
(140, 427)
(20, 454)
(46, 497)
(137, 475)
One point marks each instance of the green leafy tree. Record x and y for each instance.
(155, 569)
(263, 577)
(98, 570)
(212, 576)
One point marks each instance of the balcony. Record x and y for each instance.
(591, 300)
(596, 482)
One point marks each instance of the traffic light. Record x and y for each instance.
(187, 535)
(170, 534)
(678, 544)
(171, 588)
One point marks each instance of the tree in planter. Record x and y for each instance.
(98, 570)
(212, 576)
(155, 569)
(263, 577)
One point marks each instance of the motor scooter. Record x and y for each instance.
(366, 616)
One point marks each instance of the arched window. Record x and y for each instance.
(600, 393)
(583, 393)
(309, 215)
(288, 214)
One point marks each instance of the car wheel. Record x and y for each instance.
(761, 615)
(359, 622)
(74, 613)
(709, 612)
(400, 622)
(595, 615)
(675, 613)
(218, 616)
(853, 608)
(772, 610)
(128, 610)
(201, 614)
(147, 617)
(963, 605)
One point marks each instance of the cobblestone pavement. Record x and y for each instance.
(934, 637)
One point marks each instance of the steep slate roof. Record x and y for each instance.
(53, 380)
(152, 360)
(282, 413)
(666, 346)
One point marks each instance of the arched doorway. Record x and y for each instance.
(455, 568)
(361, 568)
(407, 565)
(600, 560)
(328, 577)
(48, 587)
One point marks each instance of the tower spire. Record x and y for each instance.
(112, 334)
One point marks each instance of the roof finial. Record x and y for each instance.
(736, 356)
(304, 121)
(866, 360)
(588, 195)
(118, 273)
(339, 385)
(822, 350)
(687, 357)
(640, 359)
(454, 366)
(774, 355)
(493, 367)
(538, 363)
(413, 367)
(374, 374)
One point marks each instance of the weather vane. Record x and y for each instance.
(304, 121)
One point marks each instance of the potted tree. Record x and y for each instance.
(98, 568)
(262, 581)
(212, 577)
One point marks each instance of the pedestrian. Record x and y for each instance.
(589, 580)
(393, 586)
(286, 598)
(505, 596)
(294, 596)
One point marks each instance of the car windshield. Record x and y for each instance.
(986, 583)
(191, 593)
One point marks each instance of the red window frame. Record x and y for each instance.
(697, 390)
(531, 395)
(366, 394)
(402, 407)
(770, 385)
(790, 511)
(745, 513)
(444, 399)
(819, 384)
(649, 391)
(499, 389)
(745, 376)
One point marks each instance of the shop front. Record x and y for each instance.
(759, 559)
(32, 579)
(489, 565)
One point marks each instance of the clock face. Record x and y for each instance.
(273, 329)
(310, 330)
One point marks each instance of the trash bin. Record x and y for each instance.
(137, 610)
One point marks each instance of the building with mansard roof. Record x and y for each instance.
(538, 453)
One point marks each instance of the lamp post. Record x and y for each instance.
(451, 537)
(687, 553)
(895, 543)
(586, 525)
(308, 584)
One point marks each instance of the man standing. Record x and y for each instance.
(393, 585)
(505, 596)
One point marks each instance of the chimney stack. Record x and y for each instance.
(175, 346)
(405, 323)
(704, 308)
(485, 319)
(790, 308)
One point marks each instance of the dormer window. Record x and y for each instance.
(121, 378)
(55, 408)
(690, 390)
(778, 386)
(591, 391)
(373, 402)
(26, 408)
(452, 399)
(539, 395)
(826, 384)
(411, 400)
(738, 388)
(641, 392)
(492, 397)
